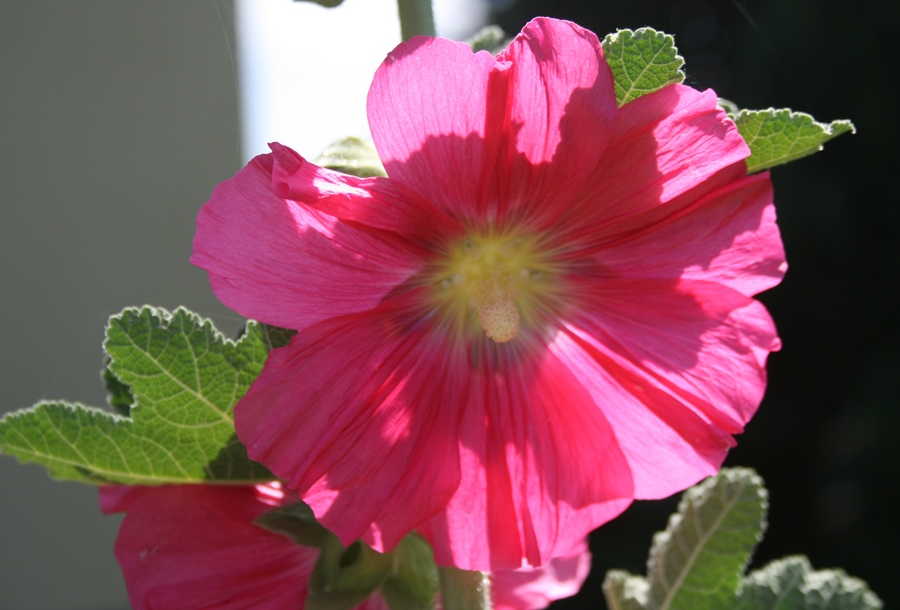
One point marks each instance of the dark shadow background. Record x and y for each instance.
(117, 119)
(825, 437)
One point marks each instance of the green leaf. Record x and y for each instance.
(118, 394)
(642, 62)
(791, 584)
(624, 591)
(490, 38)
(185, 378)
(776, 137)
(352, 156)
(698, 560)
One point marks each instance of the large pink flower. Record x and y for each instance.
(544, 312)
(196, 547)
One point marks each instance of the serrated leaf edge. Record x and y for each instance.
(638, 34)
(830, 130)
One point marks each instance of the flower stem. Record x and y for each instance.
(416, 17)
(464, 590)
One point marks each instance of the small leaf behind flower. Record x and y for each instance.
(490, 38)
(642, 61)
(352, 156)
(776, 137)
(792, 584)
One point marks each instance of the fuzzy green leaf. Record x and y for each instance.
(624, 591)
(697, 562)
(642, 61)
(776, 137)
(490, 38)
(184, 377)
(792, 584)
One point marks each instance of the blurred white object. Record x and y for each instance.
(304, 70)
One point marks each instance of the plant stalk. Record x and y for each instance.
(416, 18)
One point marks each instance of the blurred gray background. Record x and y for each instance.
(117, 118)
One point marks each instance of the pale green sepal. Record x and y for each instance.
(642, 61)
(353, 156)
(184, 377)
(343, 577)
(624, 591)
(464, 589)
(792, 584)
(780, 136)
(297, 522)
(413, 584)
(490, 38)
(697, 562)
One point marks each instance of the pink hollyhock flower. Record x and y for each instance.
(544, 312)
(195, 546)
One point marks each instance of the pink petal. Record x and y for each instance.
(676, 366)
(117, 498)
(485, 139)
(337, 415)
(195, 546)
(388, 425)
(664, 144)
(532, 589)
(728, 236)
(540, 465)
(562, 110)
(286, 263)
(429, 107)
(372, 202)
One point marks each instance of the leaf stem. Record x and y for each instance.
(416, 18)
(464, 589)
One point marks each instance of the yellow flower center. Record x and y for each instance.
(502, 280)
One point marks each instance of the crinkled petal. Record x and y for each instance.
(536, 588)
(540, 465)
(678, 367)
(370, 202)
(430, 107)
(664, 144)
(195, 546)
(289, 264)
(728, 236)
(562, 110)
(360, 414)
